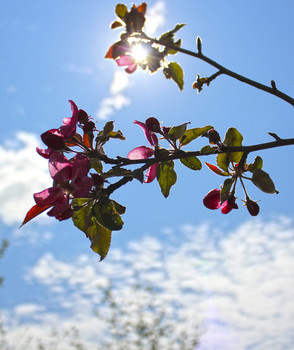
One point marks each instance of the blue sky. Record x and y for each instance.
(54, 51)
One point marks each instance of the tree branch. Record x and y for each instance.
(222, 70)
(120, 161)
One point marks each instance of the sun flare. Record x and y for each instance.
(139, 53)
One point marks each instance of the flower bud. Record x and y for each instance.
(252, 207)
(213, 137)
(229, 204)
(213, 199)
(153, 124)
(89, 126)
(83, 116)
(53, 139)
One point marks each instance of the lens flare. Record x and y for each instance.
(139, 53)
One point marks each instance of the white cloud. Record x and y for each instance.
(120, 82)
(236, 285)
(110, 104)
(155, 17)
(22, 172)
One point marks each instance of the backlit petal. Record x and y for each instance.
(151, 173)
(141, 152)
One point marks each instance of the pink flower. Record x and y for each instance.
(229, 204)
(70, 181)
(127, 60)
(213, 201)
(150, 136)
(68, 129)
(144, 152)
(54, 138)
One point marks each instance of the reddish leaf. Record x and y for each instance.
(33, 212)
(142, 8)
(216, 170)
(87, 140)
(116, 24)
(109, 53)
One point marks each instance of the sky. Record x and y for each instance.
(226, 278)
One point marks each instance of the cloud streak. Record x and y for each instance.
(22, 173)
(236, 285)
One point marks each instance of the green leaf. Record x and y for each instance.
(118, 207)
(168, 36)
(223, 161)
(175, 72)
(192, 134)
(121, 10)
(166, 177)
(108, 127)
(84, 220)
(233, 138)
(177, 132)
(106, 214)
(161, 152)
(96, 164)
(116, 135)
(177, 44)
(262, 180)
(192, 163)
(225, 191)
(117, 171)
(258, 163)
(207, 150)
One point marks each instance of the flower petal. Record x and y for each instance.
(131, 68)
(141, 152)
(61, 209)
(149, 136)
(75, 115)
(228, 205)
(82, 186)
(151, 173)
(45, 153)
(49, 196)
(79, 166)
(59, 168)
(125, 60)
(53, 139)
(213, 199)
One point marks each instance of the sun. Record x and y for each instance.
(139, 53)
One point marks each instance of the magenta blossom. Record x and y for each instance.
(54, 138)
(213, 201)
(150, 136)
(127, 60)
(70, 181)
(144, 152)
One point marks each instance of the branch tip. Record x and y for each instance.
(275, 136)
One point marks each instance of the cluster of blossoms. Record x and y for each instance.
(70, 177)
(135, 48)
(224, 198)
(125, 51)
